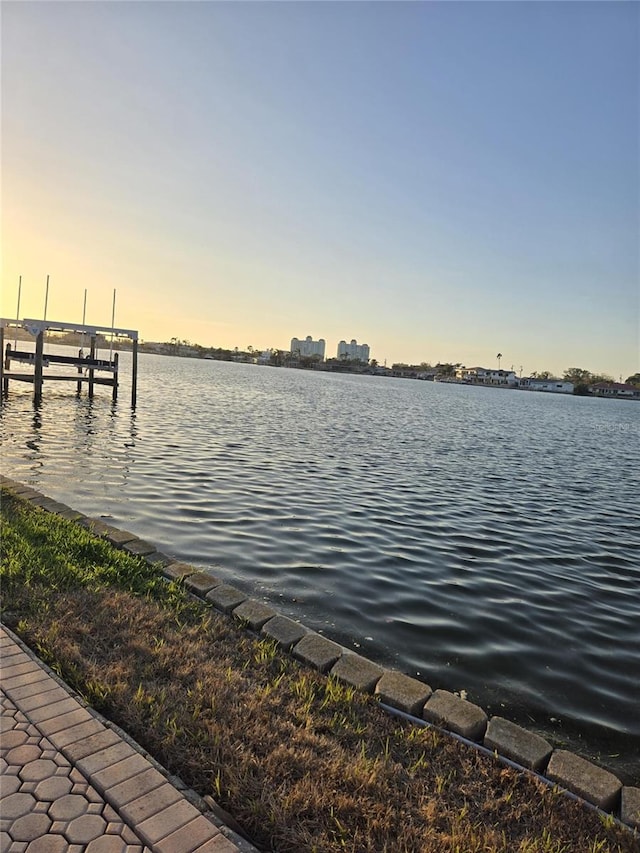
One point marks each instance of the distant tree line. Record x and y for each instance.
(580, 377)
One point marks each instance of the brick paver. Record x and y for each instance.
(70, 784)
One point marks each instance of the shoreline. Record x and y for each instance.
(408, 696)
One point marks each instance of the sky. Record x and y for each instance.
(443, 181)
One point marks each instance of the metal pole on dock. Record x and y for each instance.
(46, 302)
(37, 378)
(15, 338)
(81, 350)
(84, 314)
(113, 323)
(46, 299)
(134, 374)
(114, 360)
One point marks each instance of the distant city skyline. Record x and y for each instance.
(443, 180)
(309, 347)
(353, 350)
(317, 348)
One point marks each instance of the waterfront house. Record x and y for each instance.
(551, 386)
(487, 376)
(615, 389)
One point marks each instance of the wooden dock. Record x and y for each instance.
(88, 370)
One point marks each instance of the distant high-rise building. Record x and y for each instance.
(308, 347)
(359, 352)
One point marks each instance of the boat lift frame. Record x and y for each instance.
(40, 360)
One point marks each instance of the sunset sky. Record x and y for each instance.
(443, 181)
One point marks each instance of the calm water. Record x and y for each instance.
(485, 540)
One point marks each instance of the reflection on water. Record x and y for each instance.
(34, 443)
(484, 539)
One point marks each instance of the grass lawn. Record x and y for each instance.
(301, 762)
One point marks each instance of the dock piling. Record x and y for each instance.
(134, 374)
(114, 392)
(37, 377)
(79, 383)
(92, 355)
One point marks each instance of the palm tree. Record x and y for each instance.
(499, 356)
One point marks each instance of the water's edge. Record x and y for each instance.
(403, 695)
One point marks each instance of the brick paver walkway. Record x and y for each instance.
(69, 783)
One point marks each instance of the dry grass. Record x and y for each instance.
(300, 761)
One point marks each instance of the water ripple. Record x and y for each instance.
(484, 540)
